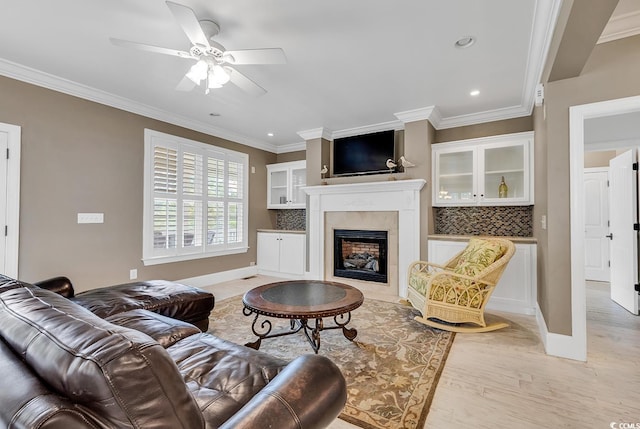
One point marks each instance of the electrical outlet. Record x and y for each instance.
(133, 274)
(251, 264)
(90, 217)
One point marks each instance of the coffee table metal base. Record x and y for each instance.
(263, 329)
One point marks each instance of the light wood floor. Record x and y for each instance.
(503, 379)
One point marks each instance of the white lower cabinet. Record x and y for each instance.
(281, 254)
(516, 290)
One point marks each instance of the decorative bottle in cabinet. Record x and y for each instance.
(503, 189)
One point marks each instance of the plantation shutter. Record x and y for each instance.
(197, 198)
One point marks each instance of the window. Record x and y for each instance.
(196, 200)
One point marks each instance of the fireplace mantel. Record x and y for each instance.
(401, 196)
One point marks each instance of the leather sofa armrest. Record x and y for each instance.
(60, 285)
(310, 392)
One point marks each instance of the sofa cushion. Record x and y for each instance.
(121, 376)
(168, 298)
(29, 403)
(165, 330)
(221, 375)
(477, 256)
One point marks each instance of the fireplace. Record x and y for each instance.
(360, 254)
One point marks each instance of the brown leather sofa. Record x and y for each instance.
(175, 300)
(62, 366)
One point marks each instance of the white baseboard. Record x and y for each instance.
(223, 276)
(564, 346)
(281, 275)
(510, 306)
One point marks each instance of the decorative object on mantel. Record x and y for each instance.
(503, 189)
(391, 165)
(323, 173)
(406, 163)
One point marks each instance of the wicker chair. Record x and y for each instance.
(453, 296)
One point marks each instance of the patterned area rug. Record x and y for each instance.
(392, 367)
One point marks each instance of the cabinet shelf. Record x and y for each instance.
(453, 175)
(520, 170)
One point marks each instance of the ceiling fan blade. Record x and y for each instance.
(256, 56)
(150, 48)
(186, 17)
(186, 84)
(246, 84)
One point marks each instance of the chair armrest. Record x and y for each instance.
(310, 393)
(424, 266)
(60, 285)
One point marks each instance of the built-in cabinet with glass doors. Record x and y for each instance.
(489, 171)
(285, 181)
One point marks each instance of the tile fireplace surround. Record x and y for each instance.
(399, 196)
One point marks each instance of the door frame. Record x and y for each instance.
(576, 347)
(12, 198)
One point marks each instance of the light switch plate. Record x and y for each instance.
(90, 217)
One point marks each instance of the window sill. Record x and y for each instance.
(192, 256)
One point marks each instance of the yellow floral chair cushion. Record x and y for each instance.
(477, 256)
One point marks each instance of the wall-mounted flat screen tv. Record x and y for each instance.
(364, 154)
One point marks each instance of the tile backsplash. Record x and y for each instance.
(291, 219)
(512, 221)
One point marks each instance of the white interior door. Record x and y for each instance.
(596, 228)
(624, 239)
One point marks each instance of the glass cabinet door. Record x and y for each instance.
(278, 187)
(298, 181)
(455, 177)
(504, 173)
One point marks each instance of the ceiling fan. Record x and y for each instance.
(213, 65)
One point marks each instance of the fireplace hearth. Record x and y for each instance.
(360, 254)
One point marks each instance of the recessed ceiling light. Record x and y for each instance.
(270, 134)
(465, 42)
(474, 93)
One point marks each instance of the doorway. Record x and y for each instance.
(577, 119)
(596, 224)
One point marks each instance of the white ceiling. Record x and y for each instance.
(352, 65)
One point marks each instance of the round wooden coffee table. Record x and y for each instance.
(302, 301)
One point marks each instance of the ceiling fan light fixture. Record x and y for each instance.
(198, 72)
(219, 75)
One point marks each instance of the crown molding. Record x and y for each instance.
(544, 21)
(621, 26)
(430, 113)
(482, 117)
(315, 133)
(367, 129)
(292, 147)
(55, 83)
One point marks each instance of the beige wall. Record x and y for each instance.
(599, 158)
(80, 156)
(508, 126)
(299, 155)
(611, 72)
(418, 137)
